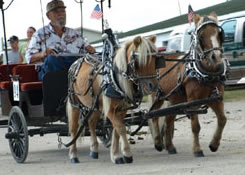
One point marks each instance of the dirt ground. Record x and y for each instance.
(45, 158)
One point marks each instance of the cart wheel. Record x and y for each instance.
(18, 134)
(106, 138)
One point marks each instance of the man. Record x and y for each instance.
(56, 39)
(13, 54)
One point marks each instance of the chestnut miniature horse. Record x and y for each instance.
(199, 79)
(134, 67)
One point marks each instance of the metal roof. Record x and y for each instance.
(220, 9)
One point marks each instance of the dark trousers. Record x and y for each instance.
(53, 63)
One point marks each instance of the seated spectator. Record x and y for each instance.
(13, 54)
(55, 39)
(23, 47)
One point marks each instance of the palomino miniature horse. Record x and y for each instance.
(196, 83)
(143, 80)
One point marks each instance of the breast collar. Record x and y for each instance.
(193, 70)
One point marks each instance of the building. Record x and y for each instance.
(163, 29)
(90, 35)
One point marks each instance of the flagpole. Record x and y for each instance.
(101, 5)
(5, 40)
(81, 8)
(179, 8)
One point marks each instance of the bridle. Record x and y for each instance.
(131, 75)
(197, 53)
(196, 45)
(131, 69)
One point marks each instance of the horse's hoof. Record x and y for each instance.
(173, 151)
(74, 160)
(212, 148)
(199, 154)
(119, 160)
(159, 148)
(94, 155)
(128, 159)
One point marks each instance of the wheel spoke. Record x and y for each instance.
(20, 149)
(17, 150)
(14, 123)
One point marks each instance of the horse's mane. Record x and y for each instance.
(145, 48)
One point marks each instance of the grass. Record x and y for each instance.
(229, 95)
(234, 95)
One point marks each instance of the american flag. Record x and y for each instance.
(190, 14)
(97, 13)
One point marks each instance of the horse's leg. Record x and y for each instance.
(120, 131)
(73, 118)
(94, 142)
(195, 126)
(218, 108)
(114, 152)
(169, 128)
(156, 129)
(127, 155)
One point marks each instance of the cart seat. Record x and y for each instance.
(5, 82)
(4, 72)
(30, 85)
(30, 88)
(5, 85)
(6, 97)
(28, 77)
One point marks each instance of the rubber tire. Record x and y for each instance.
(17, 123)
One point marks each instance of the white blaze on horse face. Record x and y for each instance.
(217, 53)
(215, 44)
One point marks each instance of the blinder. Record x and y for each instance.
(221, 34)
(160, 62)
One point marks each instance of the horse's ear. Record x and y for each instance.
(213, 14)
(196, 19)
(153, 38)
(137, 40)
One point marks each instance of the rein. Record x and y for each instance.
(85, 117)
(192, 63)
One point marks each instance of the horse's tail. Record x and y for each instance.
(106, 106)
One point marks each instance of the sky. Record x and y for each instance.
(124, 15)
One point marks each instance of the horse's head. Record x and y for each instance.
(209, 38)
(139, 64)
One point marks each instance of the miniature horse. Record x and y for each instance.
(199, 79)
(135, 72)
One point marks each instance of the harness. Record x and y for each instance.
(103, 66)
(193, 68)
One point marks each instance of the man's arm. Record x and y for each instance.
(39, 57)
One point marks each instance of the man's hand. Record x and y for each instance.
(39, 57)
(47, 52)
(90, 49)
